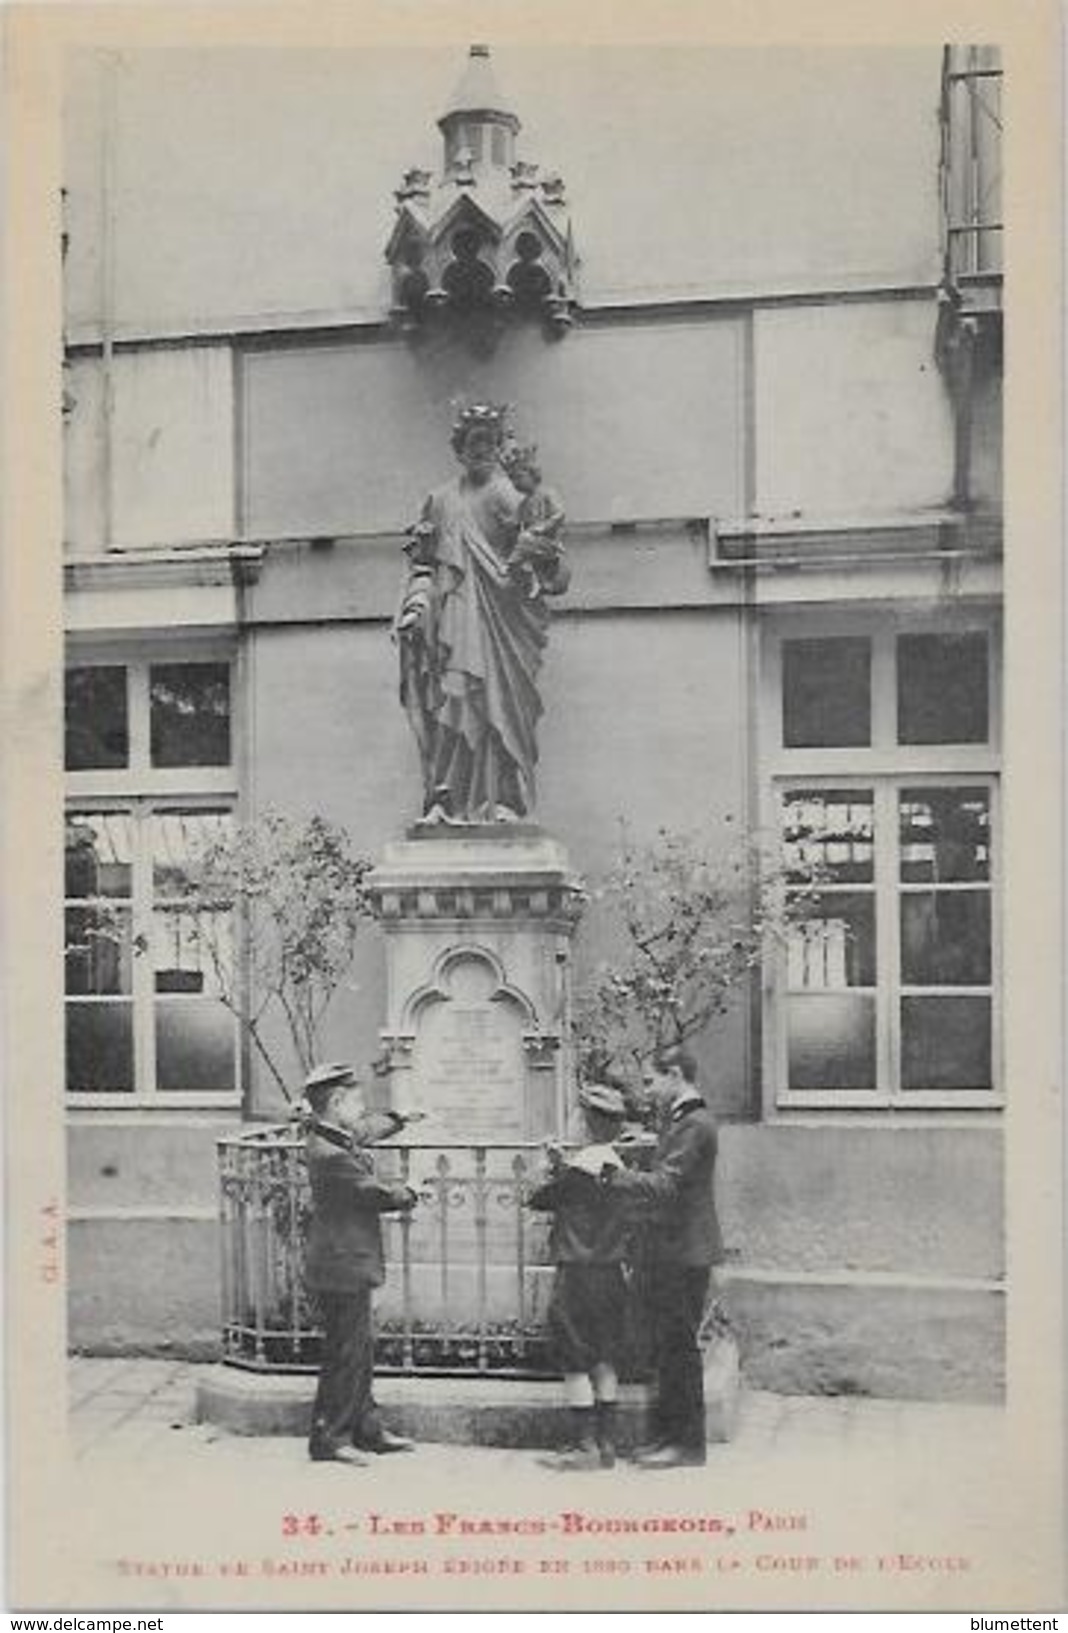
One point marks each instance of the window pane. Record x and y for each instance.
(945, 835)
(194, 1046)
(188, 950)
(942, 689)
(100, 1047)
(179, 837)
(826, 693)
(831, 1041)
(99, 848)
(97, 736)
(832, 830)
(97, 949)
(945, 1043)
(834, 947)
(945, 938)
(190, 713)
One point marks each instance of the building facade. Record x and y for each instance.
(757, 341)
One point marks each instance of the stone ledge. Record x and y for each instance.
(891, 1341)
(508, 1412)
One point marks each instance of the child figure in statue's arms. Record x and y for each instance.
(537, 565)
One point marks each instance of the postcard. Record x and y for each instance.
(533, 833)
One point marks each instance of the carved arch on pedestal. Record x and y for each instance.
(495, 987)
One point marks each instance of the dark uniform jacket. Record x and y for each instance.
(683, 1225)
(591, 1224)
(343, 1251)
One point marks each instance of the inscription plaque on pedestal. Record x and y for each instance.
(468, 1070)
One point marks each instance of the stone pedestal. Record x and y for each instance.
(478, 923)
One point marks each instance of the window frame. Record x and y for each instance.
(140, 776)
(144, 791)
(885, 768)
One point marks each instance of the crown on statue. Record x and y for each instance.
(480, 416)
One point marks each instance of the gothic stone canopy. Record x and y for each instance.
(490, 234)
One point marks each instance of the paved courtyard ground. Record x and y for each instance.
(815, 1502)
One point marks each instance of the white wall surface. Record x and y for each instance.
(172, 439)
(249, 185)
(639, 420)
(852, 413)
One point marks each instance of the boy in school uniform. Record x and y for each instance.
(587, 1309)
(344, 1262)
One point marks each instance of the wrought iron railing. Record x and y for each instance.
(467, 1281)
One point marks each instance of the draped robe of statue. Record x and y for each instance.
(469, 667)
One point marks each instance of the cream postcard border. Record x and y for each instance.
(47, 1566)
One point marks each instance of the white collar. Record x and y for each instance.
(687, 1097)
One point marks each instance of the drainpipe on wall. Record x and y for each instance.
(245, 561)
(962, 375)
(109, 64)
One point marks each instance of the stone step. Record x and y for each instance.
(458, 1411)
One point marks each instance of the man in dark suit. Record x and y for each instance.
(343, 1263)
(682, 1244)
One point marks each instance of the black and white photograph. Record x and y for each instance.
(536, 733)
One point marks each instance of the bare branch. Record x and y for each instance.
(302, 894)
(690, 918)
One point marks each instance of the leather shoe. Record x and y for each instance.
(672, 1457)
(340, 1454)
(571, 1459)
(385, 1442)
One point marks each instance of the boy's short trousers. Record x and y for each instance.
(588, 1315)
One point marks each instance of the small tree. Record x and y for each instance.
(302, 899)
(687, 922)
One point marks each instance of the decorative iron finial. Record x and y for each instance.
(524, 176)
(415, 185)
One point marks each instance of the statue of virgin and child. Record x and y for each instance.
(484, 559)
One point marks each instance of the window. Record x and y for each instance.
(148, 716)
(942, 689)
(151, 782)
(826, 693)
(971, 160)
(97, 734)
(884, 789)
(189, 713)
